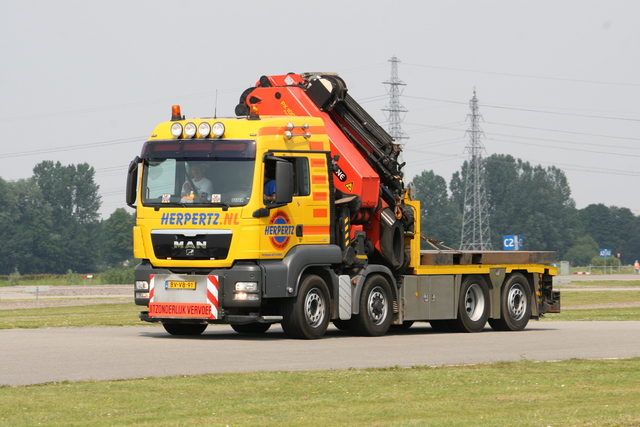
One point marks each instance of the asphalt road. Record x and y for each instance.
(31, 356)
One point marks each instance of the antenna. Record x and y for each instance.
(215, 108)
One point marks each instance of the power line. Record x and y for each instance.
(72, 147)
(566, 131)
(582, 150)
(530, 110)
(528, 76)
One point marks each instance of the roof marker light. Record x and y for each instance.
(218, 129)
(204, 129)
(190, 130)
(176, 130)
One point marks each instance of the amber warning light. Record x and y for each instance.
(175, 113)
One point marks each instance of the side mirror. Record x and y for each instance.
(284, 182)
(132, 182)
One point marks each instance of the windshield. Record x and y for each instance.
(198, 172)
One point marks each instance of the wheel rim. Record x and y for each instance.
(377, 306)
(474, 302)
(517, 302)
(314, 308)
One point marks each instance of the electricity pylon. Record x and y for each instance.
(475, 217)
(394, 107)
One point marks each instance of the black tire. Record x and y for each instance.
(340, 324)
(515, 305)
(392, 242)
(375, 316)
(189, 329)
(251, 328)
(473, 305)
(307, 315)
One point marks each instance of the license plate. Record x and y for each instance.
(179, 284)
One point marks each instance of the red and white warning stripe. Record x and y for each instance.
(212, 295)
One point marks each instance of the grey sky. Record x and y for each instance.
(557, 81)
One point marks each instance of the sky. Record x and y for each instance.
(558, 82)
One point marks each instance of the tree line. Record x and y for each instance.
(49, 223)
(532, 201)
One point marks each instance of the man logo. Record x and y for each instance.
(179, 244)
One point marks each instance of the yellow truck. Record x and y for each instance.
(296, 212)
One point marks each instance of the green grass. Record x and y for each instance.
(89, 315)
(112, 276)
(568, 393)
(599, 284)
(593, 314)
(578, 298)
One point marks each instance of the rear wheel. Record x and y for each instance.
(473, 306)
(251, 328)
(374, 318)
(515, 305)
(185, 328)
(307, 315)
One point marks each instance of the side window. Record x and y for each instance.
(301, 177)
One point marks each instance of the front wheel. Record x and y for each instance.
(515, 305)
(473, 306)
(375, 314)
(307, 315)
(189, 329)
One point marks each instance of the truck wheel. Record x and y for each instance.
(251, 328)
(307, 315)
(515, 305)
(185, 328)
(473, 306)
(374, 318)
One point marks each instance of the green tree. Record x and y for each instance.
(613, 228)
(532, 201)
(73, 200)
(582, 252)
(117, 244)
(440, 217)
(25, 229)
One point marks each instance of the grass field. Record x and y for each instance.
(89, 315)
(525, 393)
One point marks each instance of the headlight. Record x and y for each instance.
(176, 130)
(190, 130)
(204, 129)
(218, 129)
(246, 286)
(142, 284)
(142, 295)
